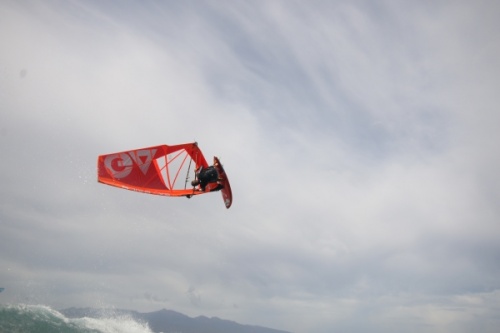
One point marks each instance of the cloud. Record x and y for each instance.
(359, 138)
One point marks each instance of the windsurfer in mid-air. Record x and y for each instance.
(204, 176)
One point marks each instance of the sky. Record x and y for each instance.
(360, 139)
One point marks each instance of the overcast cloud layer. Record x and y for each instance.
(360, 138)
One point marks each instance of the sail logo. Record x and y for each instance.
(121, 165)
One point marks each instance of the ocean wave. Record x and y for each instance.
(22, 318)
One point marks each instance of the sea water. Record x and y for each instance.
(42, 319)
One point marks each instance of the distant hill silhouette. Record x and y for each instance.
(170, 321)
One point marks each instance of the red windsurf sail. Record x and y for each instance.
(161, 170)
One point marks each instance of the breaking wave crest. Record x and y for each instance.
(43, 319)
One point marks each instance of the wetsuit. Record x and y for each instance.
(205, 176)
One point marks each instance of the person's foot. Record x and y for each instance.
(218, 187)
